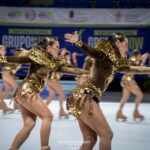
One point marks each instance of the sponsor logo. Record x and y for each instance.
(128, 17)
(30, 15)
(118, 16)
(14, 14)
(77, 16)
(71, 14)
(45, 15)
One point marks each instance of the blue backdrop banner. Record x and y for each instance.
(16, 35)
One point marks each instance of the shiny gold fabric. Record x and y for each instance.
(128, 78)
(109, 51)
(56, 76)
(41, 69)
(40, 58)
(3, 59)
(106, 61)
(12, 68)
(135, 61)
(82, 93)
(26, 90)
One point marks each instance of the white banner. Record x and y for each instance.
(74, 16)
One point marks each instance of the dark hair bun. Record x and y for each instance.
(136, 52)
(45, 42)
(116, 36)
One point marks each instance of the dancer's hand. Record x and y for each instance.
(72, 38)
(144, 57)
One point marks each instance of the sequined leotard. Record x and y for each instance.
(106, 61)
(129, 77)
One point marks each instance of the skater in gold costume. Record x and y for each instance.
(109, 57)
(130, 86)
(42, 65)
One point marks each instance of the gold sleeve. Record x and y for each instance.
(38, 57)
(73, 71)
(139, 70)
(14, 59)
(20, 60)
(93, 52)
(3, 60)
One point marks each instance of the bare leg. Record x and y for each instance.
(51, 95)
(97, 123)
(29, 120)
(7, 89)
(8, 86)
(56, 86)
(5, 108)
(124, 99)
(39, 108)
(3, 105)
(9, 82)
(89, 136)
(139, 95)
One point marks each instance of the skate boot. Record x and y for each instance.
(120, 116)
(137, 115)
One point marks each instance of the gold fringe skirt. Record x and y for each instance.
(26, 91)
(82, 93)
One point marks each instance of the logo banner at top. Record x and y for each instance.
(75, 16)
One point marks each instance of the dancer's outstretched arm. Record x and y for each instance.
(73, 71)
(74, 38)
(137, 70)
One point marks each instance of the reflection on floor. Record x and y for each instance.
(65, 133)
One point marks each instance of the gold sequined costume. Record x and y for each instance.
(106, 61)
(57, 76)
(129, 77)
(88, 63)
(42, 65)
(86, 66)
(41, 68)
(12, 68)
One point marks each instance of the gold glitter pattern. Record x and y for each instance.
(128, 77)
(80, 94)
(28, 87)
(3, 59)
(109, 51)
(41, 59)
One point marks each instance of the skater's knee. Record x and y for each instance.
(139, 96)
(124, 99)
(30, 124)
(108, 134)
(48, 117)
